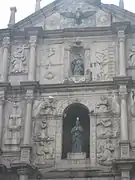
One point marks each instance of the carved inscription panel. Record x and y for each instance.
(51, 64)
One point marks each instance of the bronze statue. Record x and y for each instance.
(77, 140)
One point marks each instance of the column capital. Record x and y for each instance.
(29, 96)
(6, 42)
(121, 35)
(33, 41)
(123, 92)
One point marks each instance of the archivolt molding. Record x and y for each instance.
(63, 104)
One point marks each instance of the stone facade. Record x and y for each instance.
(78, 54)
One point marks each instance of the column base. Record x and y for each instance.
(125, 149)
(24, 170)
(26, 153)
(125, 166)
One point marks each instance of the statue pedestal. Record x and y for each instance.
(76, 156)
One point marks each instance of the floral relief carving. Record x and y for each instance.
(19, 61)
(44, 144)
(105, 153)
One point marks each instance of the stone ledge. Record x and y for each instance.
(124, 164)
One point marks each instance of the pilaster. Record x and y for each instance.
(32, 60)
(4, 73)
(29, 97)
(121, 29)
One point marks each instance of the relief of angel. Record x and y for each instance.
(78, 16)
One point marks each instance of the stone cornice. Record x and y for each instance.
(66, 87)
(78, 173)
(67, 32)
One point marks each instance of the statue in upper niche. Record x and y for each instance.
(78, 16)
(77, 66)
(77, 56)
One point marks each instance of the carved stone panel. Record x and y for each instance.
(105, 152)
(43, 143)
(18, 60)
(103, 61)
(13, 124)
(51, 64)
(131, 58)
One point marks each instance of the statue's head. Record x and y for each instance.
(77, 121)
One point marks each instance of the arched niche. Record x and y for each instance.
(70, 115)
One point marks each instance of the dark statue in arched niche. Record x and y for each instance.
(76, 130)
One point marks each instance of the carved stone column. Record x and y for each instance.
(26, 148)
(122, 62)
(124, 130)
(93, 121)
(4, 74)
(32, 60)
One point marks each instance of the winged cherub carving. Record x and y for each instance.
(78, 16)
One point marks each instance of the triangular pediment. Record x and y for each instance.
(75, 14)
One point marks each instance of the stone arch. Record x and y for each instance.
(70, 115)
(63, 104)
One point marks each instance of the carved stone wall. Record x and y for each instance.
(130, 55)
(48, 123)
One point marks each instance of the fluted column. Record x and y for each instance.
(4, 74)
(32, 60)
(122, 61)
